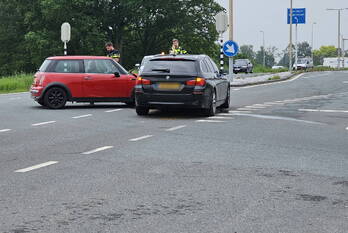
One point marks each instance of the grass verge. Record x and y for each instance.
(15, 83)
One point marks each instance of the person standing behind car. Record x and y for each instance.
(176, 49)
(112, 52)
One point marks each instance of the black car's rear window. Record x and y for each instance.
(170, 66)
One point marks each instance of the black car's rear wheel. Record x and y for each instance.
(142, 111)
(211, 111)
(228, 99)
(55, 98)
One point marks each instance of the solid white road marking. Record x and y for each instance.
(236, 89)
(114, 110)
(278, 118)
(176, 128)
(210, 121)
(82, 116)
(322, 110)
(140, 138)
(44, 123)
(345, 82)
(227, 114)
(41, 165)
(4, 130)
(253, 106)
(245, 109)
(347, 128)
(97, 150)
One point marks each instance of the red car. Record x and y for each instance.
(82, 79)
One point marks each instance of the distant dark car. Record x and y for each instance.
(243, 65)
(82, 79)
(190, 81)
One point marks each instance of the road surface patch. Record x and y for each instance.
(176, 128)
(82, 116)
(140, 138)
(97, 150)
(44, 123)
(41, 165)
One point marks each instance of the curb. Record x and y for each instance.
(15, 93)
(264, 82)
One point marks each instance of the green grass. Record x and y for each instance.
(15, 83)
(262, 69)
(276, 77)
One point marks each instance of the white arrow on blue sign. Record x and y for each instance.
(231, 48)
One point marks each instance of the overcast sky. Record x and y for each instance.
(251, 16)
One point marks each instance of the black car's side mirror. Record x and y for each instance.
(117, 74)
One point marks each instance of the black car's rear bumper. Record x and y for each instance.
(172, 100)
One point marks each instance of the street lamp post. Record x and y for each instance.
(313, 40)
(339, 34)
(263, 45)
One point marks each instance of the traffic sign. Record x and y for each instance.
(65, 32)
(298, 16)
(221, 22)
(230, 48)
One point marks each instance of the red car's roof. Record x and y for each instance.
(77, 57)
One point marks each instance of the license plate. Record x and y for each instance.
(169, 86)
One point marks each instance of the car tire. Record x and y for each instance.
(55, 98)
(211, 111)
(142, 111)
(228, 99)
(41, 102)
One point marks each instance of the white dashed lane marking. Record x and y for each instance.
(176, 128)
(41, 165)
(97, 150)
(210, 121)
(114, 110)
(220, 117)
(82, 116)
(322, 110)
(4, 130)
(44, 123)
(140, 138)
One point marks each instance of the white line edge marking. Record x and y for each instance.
(41, 165)
(114, 110)
(44, 123)
(347, 128)
(4, 130)
(176, 128)
(82, 116)
(97, 150)
(274, 83)
(140, 138)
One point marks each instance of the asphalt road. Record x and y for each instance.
(277, 161)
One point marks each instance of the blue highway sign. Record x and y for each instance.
(298, 16)
(230, 48)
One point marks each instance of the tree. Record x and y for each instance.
(304, 49)
(269, 56)
(246, 52)
(30, 30)
(323, 52)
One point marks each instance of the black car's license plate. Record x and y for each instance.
(169, 86)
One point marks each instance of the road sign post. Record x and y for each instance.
(221, 27)
(65, 35)
(230, 49)
(295, 16)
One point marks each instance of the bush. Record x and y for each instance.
(262, 69)
(16, 83)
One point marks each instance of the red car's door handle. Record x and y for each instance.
(88, 78)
